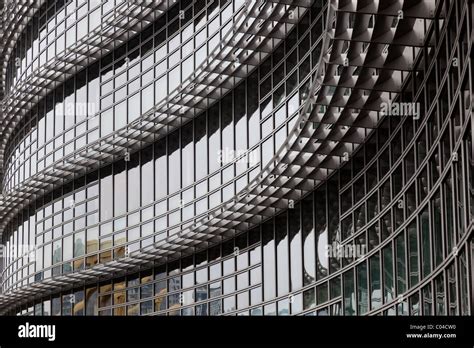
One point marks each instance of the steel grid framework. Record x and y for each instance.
(380, 43)
(117, 26)
(257, 28)
(15, 17)
(217, 78)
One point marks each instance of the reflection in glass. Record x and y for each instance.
(309, 299)
(215, 307)
(269, 272)
(400, 264)
(437, 229)
(349, 294)
(415, 304)
(448, 212)
(375, 283)
(229, 304)
(463, 280)
(440, 306)
(284, 307)
(362, 294)
(282, 254)
(91, 301)
(296, 261)
(335, 287)
(78, 303)
(388, 274)
(322, 261)
(66, 305)
(309, 256)
(425, 241)
(56, 306)
(452, 290)
(427, 300)
(146, 307)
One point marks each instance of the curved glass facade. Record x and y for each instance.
(104, 97)
(162, 188)
(53, 29)
(55, 26)
(388, 232)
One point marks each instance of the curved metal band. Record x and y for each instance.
(117, 26)
(145, 256)
(326, 133)
(258, 29)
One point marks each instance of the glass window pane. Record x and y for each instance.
(269, 272)
(282, 254)
(362, 294)
(388, 274)
(349, 294)
(425, 241)
(309, 256)
(440, 295)
(375, 283)
(401, 265)
(296, 260)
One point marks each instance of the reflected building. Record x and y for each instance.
(231, 157)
